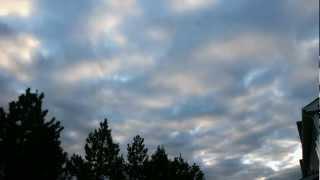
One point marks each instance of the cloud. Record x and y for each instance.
(22, 8)
(106, 68)
(291, 173)
(17, 54)
(181, 6)
(221, 82)
(107, 19)
(279, 160)
(241, 46)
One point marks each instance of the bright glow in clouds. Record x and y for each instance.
(208, 159)
(181, 6)
(72, 134)
(286, 156)
(105, 23)
(15, 53)
(15, 7)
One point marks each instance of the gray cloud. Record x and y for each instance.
(221, 82)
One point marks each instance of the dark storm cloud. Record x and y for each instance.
(221, 82)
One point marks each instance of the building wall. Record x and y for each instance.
(309, 130)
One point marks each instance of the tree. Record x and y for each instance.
(79, 168)
(102, 154)
(196, 172)
(158, 166)
(137, 157)
(179, 169)
(29, 144)
(161, 167)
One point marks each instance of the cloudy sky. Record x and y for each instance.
(222, 82)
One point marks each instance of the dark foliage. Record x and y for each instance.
(29, 145)
(30, 149)
(78, 167)
(180, 170)
(137, 158)
(158, 166)
(102, 154)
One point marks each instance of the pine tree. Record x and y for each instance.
(158, 166)
(29, 144)
(196, 172)
(102, 154)
(179, 169)
(137, 157)
(79, 168)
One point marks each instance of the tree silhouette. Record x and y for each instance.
(179, 169)
(137, 158)
(30, 149)
(79, 168)
(29, 144)
(161, 167)
(196, 172)
(102, 154)
(158, 166)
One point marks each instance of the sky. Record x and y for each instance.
(222, 82)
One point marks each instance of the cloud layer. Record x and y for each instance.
(221, 82)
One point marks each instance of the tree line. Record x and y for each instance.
(30, 148)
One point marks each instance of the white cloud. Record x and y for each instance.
(206, 157)
(182, 6)
(155, 102)
(241, 46)
(105, 22)
(90, 70)
(183, 83)
(72, 134)
(105, 68)
(21, 8)
(275, 154)
(251, 76)
(16, 53)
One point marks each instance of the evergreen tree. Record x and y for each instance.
(79, 168)
(180, 170)
(196, 172)
(158, 166)
(102, 154)
(137, 157)
(29, 144)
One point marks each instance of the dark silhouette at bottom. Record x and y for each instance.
(30, 148)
